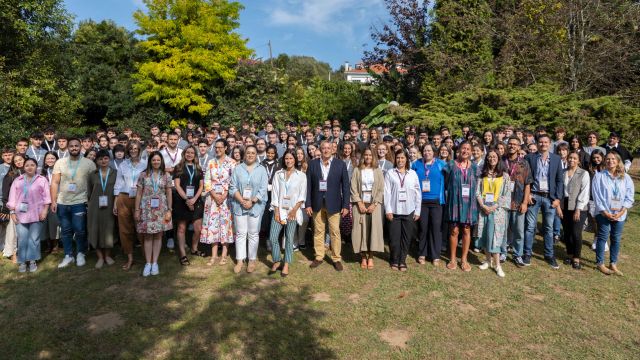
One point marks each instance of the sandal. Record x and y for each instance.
(184, 261)
(370, 264)
(363, 263)
(422, 260)
(402, 268)
(223, 261)
(274, 269)
(394, 267)
(212, 261)
(198, 253)
(465, 266)
(127, 266)
(451, 265)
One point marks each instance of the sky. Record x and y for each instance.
(332, 31)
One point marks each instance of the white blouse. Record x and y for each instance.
(394, 184)
(295, 188)
(127, 177)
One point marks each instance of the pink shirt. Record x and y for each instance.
(37, 198)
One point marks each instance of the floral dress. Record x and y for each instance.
(217, 223)
(492, 228)
(152, 219)
(461, 210)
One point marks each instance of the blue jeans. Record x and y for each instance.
(548, 215)
(515, 235)
(607, 229)
(73, 224)
(29, 241)
(557, 223)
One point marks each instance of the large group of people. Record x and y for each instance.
(216, 189)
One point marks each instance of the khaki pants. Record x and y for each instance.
(320, 218)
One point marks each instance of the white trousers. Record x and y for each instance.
(247, 235)
(10, 240)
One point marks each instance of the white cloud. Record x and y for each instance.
(325, 16)
(139, 4)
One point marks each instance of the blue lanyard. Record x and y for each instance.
(134, 175)
(155, 182)
(616, 186)
(286, 182)
(75, 170)
(103, 183)
(191, 174)
(26, 188)
(543, 170)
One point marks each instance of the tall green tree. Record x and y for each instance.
(192, 47)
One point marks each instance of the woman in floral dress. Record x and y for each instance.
(217, 224)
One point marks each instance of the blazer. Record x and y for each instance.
(556, 174)
(338, 191)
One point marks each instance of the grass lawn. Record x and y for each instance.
(209, 312)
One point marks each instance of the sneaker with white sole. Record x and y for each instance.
(484, 265)
(170, 243)
(147, 270)
(499, 271)
(33, 266)
(80, 260)
(155, 270)
(22, 268)
(68, 259)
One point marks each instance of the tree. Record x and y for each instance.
(404, 42)
(302, 68)
(192, 48)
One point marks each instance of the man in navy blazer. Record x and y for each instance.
(328, 194)
(547, 190)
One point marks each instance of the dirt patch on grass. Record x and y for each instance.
(403, 294)
(464, 307)
(104, 322)
(567, 293)
(632, 304)
(536, 297)
(354, 298)
(396, 337)
(45, 354)
(266, 283)
(321, 297)
(245, 298)
(435, 294)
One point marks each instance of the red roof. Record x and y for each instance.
(377, 69)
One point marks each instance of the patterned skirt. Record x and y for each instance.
(217, 223)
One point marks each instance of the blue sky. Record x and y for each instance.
(333, 31)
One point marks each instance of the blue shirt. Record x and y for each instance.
(542, 173)
(257, 181)
(436, 177)
(605, 189)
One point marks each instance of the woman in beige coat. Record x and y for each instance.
(367, 191)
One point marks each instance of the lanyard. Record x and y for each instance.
(401, 178)
(271, 170)
(191, 174)
(75, 170)
(50, 148)
(543, 167)
(49, 174)
(348, 164)
(134, 175)
(427, 170)
(117, 164)
(512, 167)
(286, 181)
(491, 181)
(383, 163)
(249, 173)
(463, 172)
(616, 186)
(35, 153)
(64, 154)
(103, 183)
(155, 182)
(173, 158)
(206, 157)
(27, 186)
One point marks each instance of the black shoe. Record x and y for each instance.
(338, 266)
(518, 261)
(315, 263)
(302, 246)
(526, 260)
(576, 265)
(568, 261)
(552, 262)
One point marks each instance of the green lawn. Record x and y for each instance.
(203, 312)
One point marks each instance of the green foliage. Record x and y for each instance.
(192, 48)
(301, 68)
(484, 108)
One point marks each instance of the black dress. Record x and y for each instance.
(181, 211)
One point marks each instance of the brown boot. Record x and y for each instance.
(603, 269)
(614, 269)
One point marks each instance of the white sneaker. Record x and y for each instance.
(606, 247)
(170, 243)
(147, 270)
(33, 266)
(80, 260)
(22, 268)
(99, 264)
(499, 271)
(154, 269)
(68, 259)
(593, 245)
(484, 266)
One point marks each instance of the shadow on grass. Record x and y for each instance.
(182, 313)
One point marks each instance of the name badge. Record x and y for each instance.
(512, 186)
(103, 201)
(426, 186)
(366, 197)
(488, 198)
(466, 190)
(23, 207)
(402, 195)
(190, 191)
(218, 189)
(323, 185)
(286, 202)
(544, 185)
(155, 202)
(246, 193)
(72, 187)
(616, 204)
(269, 187)
(133, 191)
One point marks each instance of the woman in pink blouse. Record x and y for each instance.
(29, 201)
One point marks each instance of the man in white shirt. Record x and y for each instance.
(172, 156)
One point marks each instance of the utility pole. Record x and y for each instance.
(270, 53)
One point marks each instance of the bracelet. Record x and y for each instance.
(12, 212)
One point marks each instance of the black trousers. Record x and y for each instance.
(430, 242)
(572, 235)
(401, 230)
